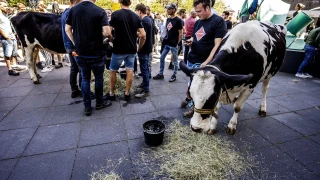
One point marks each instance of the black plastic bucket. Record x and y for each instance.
(153, 132)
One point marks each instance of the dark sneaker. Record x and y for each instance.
(142, 94)
(173, 78)
(185, 102)
(171, 66)
(108, 97)
(39, 65)
(58, 66)
(158, 77)
(75, 93)
(105, 103)
(87, 111)
(188, 113)
(126, 97)
(13, 73)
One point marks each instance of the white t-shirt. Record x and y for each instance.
(5, 26)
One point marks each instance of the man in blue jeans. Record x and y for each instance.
(311, 48)
(174, 26)
(144, 52)
(127, 28)
(86, 26)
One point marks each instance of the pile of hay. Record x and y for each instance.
(101, 175)
(188, 155)
(120, 85)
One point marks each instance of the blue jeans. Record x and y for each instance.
(74, 70)
(165, 51)
(9, 47)
(96, 65)
(117, 59)
(309, 58)
(144, 63)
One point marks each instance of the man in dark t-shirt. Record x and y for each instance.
(145, 51)
(127, 28)
(174, 26)
(86, 26)
(206, 37)
(225, 16)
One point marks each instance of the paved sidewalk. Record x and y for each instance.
(45, 135)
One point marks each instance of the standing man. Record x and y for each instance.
(154, 40)
(8, 41)
(225, 16)
(55, 7)
(127, 28)
(189, 26)
(86, 26)
(74, 69)
(146, 50)
(174, 26)
(311, 49)
(206, 38)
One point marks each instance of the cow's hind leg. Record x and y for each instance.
(237, 106)
(263, 106)
(31, 64)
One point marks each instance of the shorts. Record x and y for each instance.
(9, 47)
(117, 59)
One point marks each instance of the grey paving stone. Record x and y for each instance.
(6, 167)
(66, 88)
(173, 114)
(113, 111)
(49, 79)
(17, 119)
(179, 87)
(255, 95)
(102, 131)
(7, 104)
(13, 142)
(305, 85)
(3, 114)
(137, 106)
(247, 112)
(272, 130)
(305, 151)
(64, 99)
(285, 89)
(315, 138)
(133, 123)
(37, 101)
(22, 83)
(54, 138)
(14, 92)
(63, 114)
(315, 93)
(306, 98)
(166, 102)
(311, 114)
(95, 158)
(46, 89)
(290, 102)
(57, 165)
(160, 90)
(272, 107)
(7, 82)
(298, 123)
(276, 164)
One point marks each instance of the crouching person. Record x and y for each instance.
(87, 32)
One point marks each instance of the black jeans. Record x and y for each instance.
(74, 70)
(186, 51)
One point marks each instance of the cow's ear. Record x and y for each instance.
(237, 78)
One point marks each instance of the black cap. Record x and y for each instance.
(171, 6)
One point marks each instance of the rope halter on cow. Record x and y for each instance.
(211, 111)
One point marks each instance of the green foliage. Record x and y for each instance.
(13, 3)
(104, 3)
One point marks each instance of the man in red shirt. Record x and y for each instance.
(189, 25)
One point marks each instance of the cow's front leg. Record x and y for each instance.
(214, 120)
(237, 106)
(263, 106)
(35, 55)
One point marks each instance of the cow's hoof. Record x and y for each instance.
(197, 130)
(211, 131)
(262, 113)
(230, 131)
(36, 82)
(38, 76)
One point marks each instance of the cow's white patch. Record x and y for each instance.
(254, 35)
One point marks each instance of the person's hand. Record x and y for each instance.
(74, 54)
(188, 42)
(203, 64)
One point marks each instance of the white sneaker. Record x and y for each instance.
(300, 75)
(307, 75)
(46, 69)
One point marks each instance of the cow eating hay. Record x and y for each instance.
(250, 53)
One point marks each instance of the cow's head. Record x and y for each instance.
(206, 86)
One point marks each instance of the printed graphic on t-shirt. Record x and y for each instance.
(169, 26)
(200, 33)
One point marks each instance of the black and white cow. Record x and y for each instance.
(38, 31)
(250, 53)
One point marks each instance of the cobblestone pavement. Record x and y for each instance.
(45, 135)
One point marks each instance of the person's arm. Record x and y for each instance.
(142, 37)
(4, 35)
(217, 42)
(106, 32)
(69, 33)
(318, 41)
